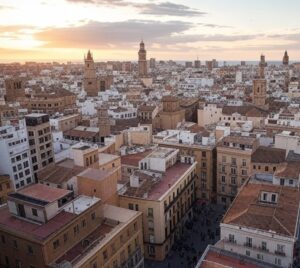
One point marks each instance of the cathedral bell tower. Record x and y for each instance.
(260, 86)
(90, 82)
(142, 60)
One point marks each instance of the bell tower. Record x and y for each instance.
(103, 122)
(90, 82)
(260, 85)
(142, 60)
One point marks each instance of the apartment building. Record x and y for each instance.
(46, 227)
(163, 189)
(40, 141)
(263, 222)
(15, 155)
(5, 188)
(233, 165)
(194, 147)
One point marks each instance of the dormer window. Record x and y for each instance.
(267, 197)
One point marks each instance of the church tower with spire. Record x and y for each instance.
(90, 81)
(260, 85)
(142, 63)
(285, 60)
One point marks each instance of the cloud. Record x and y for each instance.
(211, 25)
(5, 7)
(169, 9)
(155, 9)
(104, 34)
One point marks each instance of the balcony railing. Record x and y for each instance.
(280, 253)
(134, 260)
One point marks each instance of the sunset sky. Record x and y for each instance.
(172, 29)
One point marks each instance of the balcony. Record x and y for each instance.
(248, 245)
(134, 259)
(279, 253)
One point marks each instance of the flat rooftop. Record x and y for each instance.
(35, 115)
(153, 189)
(80, 204)
(161, 152)
(106, 158)
(95, 174)
(43, 193)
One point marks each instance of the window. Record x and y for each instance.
(15, 244)
(151, 238)
(93, 216)
(231, 238)
(56, 244)
(244, 162)
(248, 242)
(278, 261)
(151, 250)
(105, 256)
(203, 154)
(222, 178)
(266, 168)
(65, 237)
(83, 223)
(265, 196)
(29, 249)
(233, 180)
(244, 172)
(247, 252)
(76, 229)
(291, 182)
(264, 245)
(280, 248)
(150, 212)
(34, 212)
(130, 206)
(273, 198)
(233, 161)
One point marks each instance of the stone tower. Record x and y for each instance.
(142, 60)
(90, 82)
(103, 122)
(14, 89)
(285, 60)
(260, 85)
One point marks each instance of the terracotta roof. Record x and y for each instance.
(146, 108)
(134, 159)
(36, 231)
(247, 210)
(238, 139)
(60, 172)
(290, 170)
(246, 110)
(268, 155)
(219, 258)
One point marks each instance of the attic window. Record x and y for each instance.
(268, 197)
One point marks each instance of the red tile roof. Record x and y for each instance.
(134, 159)
(247, 210)
(36, 231)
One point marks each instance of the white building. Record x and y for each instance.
(263, 223)
(15, 155)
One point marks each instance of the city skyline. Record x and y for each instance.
(180, 30)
